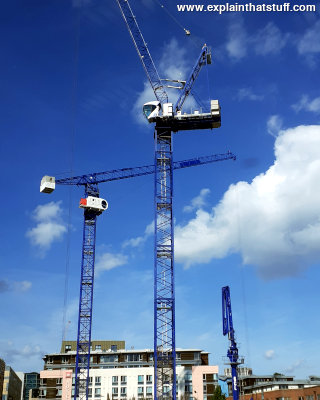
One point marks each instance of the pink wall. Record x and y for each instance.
(66, 381)
(197, 378)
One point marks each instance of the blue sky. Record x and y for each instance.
(72, 89)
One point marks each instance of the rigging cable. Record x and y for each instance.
(65, 324)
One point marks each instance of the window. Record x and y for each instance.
(140, 379)
(90, 380)
(149, 390)
(114, 347)
(114, 391)
(89, 392)
(149, 380)
(67, 348)
(301, 398)
(65, 360)
(178, 356)
(98, 346)
(310, 397)
(72, 392)
(59, 381)
(188, 388)
(150, 357)
(42, 392)
(123, 380)
(188, 377)
(123, 391)
(98, 380)
(59, 392)
(109, 358)
(97, 392)
(74, 380)
(197, 356)
(140, 390)
(114, 380)
(50, 360)
(133, 357)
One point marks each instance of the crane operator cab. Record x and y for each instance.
(151, 109)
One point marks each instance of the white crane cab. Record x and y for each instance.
(151, 109)
(94, 204)
(48, 184)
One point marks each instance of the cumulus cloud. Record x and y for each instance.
(296, 365)
(309, 43)
(49, 227)
(269, 40)
(198, 201)
(11, 352)
(139, 240)
(16, 286)
(173, 65)
(108, 261)
(274, 125)
(272, 222)
(306, 104)
(236, 45)
(248, 94)
(269, 354)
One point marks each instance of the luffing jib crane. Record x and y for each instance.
(93, 206)
(168, 118)
(233, 349)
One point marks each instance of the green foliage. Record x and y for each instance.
(217, 394)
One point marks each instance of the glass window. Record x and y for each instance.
(59, 381)
(89, 392)
(123, 391)
(133, 357)
(149, 389)
(140, 379)
(59, 392)
(98, 380)
(98, 346)
(115, 391)
(149, 379)
(123, 379)
(97, 392)
(114, 347)
(109, 358)
(140, 390)
(114, 380)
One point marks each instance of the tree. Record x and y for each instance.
(217, 394)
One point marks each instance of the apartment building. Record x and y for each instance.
(12, 385)
(121, 374)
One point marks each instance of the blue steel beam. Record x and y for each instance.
(125, 173)
(204, 58)
(233, 349)
(164, 293)
(86, 299)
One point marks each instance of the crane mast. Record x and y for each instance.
(167, 119)
(232, 354)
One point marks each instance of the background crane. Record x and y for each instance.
(94, 206)
(168, 118)
(233, 349)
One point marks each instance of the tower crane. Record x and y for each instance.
(233, 349)
(168, 118)
(94, 206)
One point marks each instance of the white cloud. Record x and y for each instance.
(237, 41)
(198, 201)
(272, 222)
(139, 240)
(308, 105)
(269, 354)
(108, 261)
(274, 125)
(269, 40)
(296, 365)
(16, 286)
(248, 94)
(309, 43)
(49, 227)
(173, 65)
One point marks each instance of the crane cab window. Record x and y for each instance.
(148, 109)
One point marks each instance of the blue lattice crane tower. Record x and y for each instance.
(168, 118)
(93, 206)
(232, 354)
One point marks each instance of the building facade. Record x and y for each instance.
(12, 385)
(31, 381)
(126, 374)
(2, 369)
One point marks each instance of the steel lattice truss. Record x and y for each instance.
(85, 307)
(164, 298)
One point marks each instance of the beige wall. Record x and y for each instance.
(197, 378)
(66, 376)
